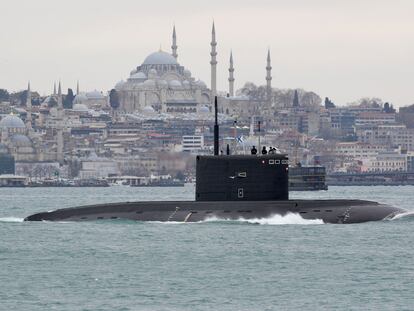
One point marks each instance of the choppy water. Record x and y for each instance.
(282, 263)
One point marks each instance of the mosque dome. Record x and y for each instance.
(11, 121)
(94, 95)
(80, 108)
(160, 58)
(149, 83)
(148, 110)
(175, 83)
(162, 83)
(120, 84)
(80, 98)
(139, 76)
(186, 84)
(47, 100)
(19, 140)
(201, 84)
(204, 109)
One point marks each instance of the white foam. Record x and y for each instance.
(166, 222)
(288, 219)
(11, 219)
(403, 215)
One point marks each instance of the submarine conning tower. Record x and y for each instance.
(241, 177)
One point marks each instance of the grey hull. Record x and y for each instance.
(330, 211)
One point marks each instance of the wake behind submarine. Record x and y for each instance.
(232, 187)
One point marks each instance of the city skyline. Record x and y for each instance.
(344, 51)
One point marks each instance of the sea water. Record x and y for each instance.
(279, 263)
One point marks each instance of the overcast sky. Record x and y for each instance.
(341, 49)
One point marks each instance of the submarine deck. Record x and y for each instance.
(330, 211)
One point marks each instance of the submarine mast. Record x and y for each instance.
(216, 129)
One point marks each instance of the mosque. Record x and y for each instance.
(23, 144)
(161, 85)
(14, 139)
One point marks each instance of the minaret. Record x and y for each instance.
(59, 100)
(29, 107)
(77, 88)
(54, 89)
(269, 79)
(231, 76)
(174, 44)
(59, 150)
(213, 64)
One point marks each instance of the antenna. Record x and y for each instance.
(216, 129)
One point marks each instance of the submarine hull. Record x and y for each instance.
(329, 211)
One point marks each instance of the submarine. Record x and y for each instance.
(232, 187)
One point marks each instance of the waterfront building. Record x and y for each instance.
(94, 167)
(357, 150)
(386, 162)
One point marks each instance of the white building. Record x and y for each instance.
(386, 162)
(357, 150)
(95, 167)
(374, 118)
(192, 143)
(394, 135)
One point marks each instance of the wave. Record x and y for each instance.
(403, 215)
(11, 219)
(288, 219)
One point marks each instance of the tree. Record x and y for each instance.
(388, 108)
(296, 99)
(329, 104)
(22, 97)
(4, 95)
(114, 99)
(68, 102)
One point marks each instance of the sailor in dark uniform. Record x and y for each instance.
(254, 150)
